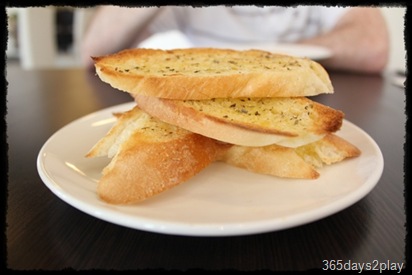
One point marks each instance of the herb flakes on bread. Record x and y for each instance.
(149, 157)
(286, 121)
(246, 108)
(206, 73)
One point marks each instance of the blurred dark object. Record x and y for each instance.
(64, 29)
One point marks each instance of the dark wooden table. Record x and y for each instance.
(44, 232)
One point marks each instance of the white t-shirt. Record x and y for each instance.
(219, 25)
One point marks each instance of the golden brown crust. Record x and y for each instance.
(258, 122)
(151, 156)
(331, 149)
(344, 145)
(300, 162)
(205, 73)
(271, 160)
(144, 169)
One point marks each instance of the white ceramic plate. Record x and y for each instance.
(175, 39)
(220, 201)
(310, 51)
(399, 80)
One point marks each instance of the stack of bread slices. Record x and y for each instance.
(197, 106)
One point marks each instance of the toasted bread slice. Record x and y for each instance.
(271, 160)
(329, 150)
(300, 162)
(206, 73)
(289, 122)
(149, 157)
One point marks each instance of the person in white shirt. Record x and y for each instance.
(357, 37)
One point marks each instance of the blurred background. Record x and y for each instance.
(49, 37)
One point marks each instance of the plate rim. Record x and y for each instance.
(298, 50)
